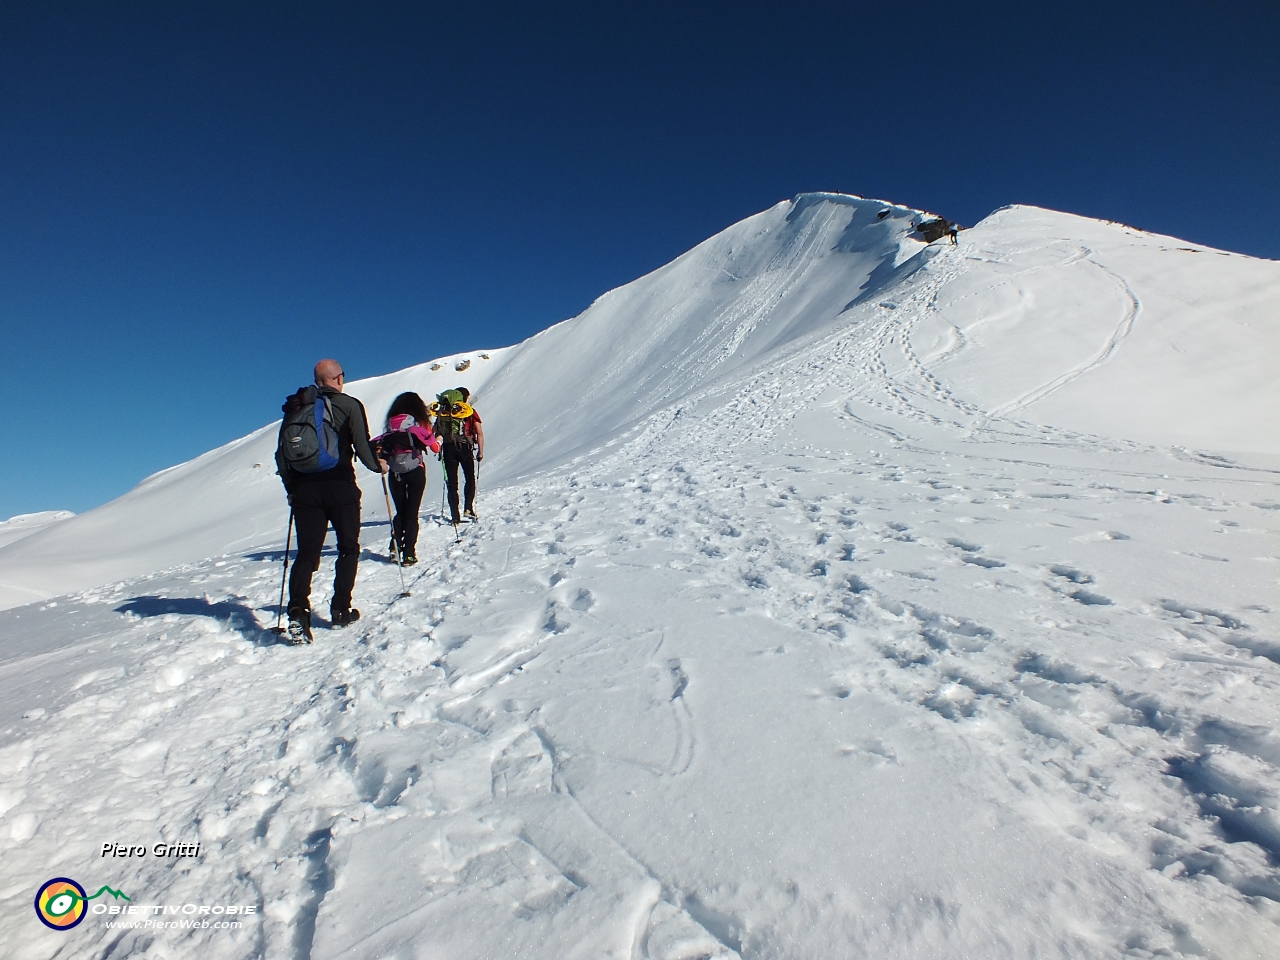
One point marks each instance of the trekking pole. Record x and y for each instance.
(288, 542)
(404, 591)
(444, 481)
(476, 491)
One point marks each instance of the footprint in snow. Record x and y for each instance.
(1202, 615)
(989, 562)
(899, 533)
(1071, 573)
(553, 624)
(1055, 671)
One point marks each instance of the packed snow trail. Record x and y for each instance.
(778, 699)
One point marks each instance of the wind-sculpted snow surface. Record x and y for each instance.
(816, 653)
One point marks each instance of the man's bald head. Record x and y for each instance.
(329, 374)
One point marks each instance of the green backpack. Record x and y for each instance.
(451, 429)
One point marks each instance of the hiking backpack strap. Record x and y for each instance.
(322, 413)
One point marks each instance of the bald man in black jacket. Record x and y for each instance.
(330, 496)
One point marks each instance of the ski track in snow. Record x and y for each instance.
(1133, 306)
(541, 752)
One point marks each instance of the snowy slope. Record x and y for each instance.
(890, 609)
(1099, 327)
(1039, 316)
(23, 525)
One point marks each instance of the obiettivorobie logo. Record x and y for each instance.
(61, 902)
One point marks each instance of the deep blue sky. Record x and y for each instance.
(198, 200)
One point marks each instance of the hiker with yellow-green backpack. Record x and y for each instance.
(462, 445)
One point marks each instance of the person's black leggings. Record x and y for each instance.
(456, 454)
(406, 492)
(315, 506)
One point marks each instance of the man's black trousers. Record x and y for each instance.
(406, 491)
(456, 454)
(315, 506)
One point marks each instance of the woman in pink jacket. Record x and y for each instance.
(408, 436)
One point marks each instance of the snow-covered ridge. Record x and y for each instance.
(833, 594)
(25, 524)
(1036, 315)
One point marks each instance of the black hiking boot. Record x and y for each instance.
(299, 625)
(410, 560)
(343, 618)
(471, 514)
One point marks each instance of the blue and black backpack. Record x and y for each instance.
(308, 439)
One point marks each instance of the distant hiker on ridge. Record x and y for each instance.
(322, 428)
(408, 435)
(459, 429)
